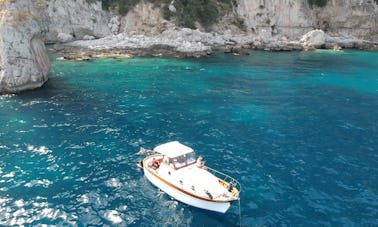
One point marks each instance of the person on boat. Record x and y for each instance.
(154, 164)
(200, 163)
(151, 162)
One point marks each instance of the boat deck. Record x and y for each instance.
(200, 182)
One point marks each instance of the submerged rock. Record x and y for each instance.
(24, 63)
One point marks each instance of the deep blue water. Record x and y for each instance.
(298, 129)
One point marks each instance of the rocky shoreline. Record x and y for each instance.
(194, 43)
(82, 30)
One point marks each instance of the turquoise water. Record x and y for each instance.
(299, 130)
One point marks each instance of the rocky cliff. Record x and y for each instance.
(69, 19)
(25, 27)
(24, 63)
(293, 18)
(261, 24)
(63, 21)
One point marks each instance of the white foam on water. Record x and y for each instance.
(9, 175)
(40, 150)
(44, 183)
(7, 96)
(19, 203)
(113, 216)
(113, 182)
(84, 199)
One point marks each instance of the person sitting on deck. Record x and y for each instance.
(154, 164)
(200, 163)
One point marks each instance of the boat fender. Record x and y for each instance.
(230, 187)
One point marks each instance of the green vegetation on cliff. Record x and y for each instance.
(206, 12)
(318, 3)
(187, 13)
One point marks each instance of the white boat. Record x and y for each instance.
(175, 170)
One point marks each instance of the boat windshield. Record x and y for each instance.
(184, 160)
(191, 158)
(179, 161)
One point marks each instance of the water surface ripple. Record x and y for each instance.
(298, 129)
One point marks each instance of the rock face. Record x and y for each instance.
(24, 63)
(349, 18)
(74, 18)
(263, 24)
(313, 39)
(182, 42)
(114, 24)
(267, 18)
(26, 25)
(293, 18)
(144, 19)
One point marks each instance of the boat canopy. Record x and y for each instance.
(173, 149)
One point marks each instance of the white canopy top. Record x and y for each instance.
(173, 149)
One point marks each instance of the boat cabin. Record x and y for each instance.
(176, 155)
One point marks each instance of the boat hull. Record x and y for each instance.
(182, 196)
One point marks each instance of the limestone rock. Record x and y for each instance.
(351, 18)
(76, 17)
(24, 63)
(313, 39)
(114, 24)
(89, 37)
(63, 37)
(144, 19)
(263, 24)
(293, 18)
(172, 7)
(271, 17)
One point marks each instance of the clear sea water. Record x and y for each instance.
(298, 129)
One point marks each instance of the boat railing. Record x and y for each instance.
(226, 178)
